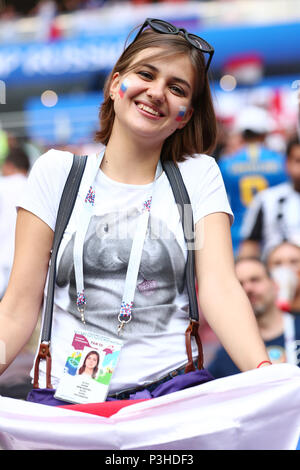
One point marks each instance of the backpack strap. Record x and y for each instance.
(186, 213)
(65, 209)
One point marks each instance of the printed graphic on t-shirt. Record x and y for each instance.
(106, 253)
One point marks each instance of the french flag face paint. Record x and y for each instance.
(181, 113)
(123, 88)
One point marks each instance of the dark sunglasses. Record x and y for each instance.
(163, 27)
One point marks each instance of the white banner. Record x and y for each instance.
(255, 410)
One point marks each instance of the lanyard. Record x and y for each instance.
(86, 212)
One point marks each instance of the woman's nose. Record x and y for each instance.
(156, 91)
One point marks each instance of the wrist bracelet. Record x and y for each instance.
(263, 362)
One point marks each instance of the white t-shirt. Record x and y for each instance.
(154, 339)
(273, 216)
(11, 189)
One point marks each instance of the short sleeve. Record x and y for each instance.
(206, 188)
(45, 185)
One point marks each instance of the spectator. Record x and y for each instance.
(280, 331)
(15, 382)
(14, 171)
(252, 168)
(274, 214)
(4, 146)
(287, 254)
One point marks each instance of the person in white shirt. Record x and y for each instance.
(157, 106)
(12, 183)
(287, 255)
(274, 214)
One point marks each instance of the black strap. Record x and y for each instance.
(66, 205)
(186, 213)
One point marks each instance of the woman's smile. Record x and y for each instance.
(149, 110)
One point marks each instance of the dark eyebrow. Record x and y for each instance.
(177, 79)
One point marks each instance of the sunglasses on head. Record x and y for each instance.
(163, 27)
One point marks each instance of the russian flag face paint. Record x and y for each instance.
(181, 113)
(123, 88)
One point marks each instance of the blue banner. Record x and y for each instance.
(276, 45)
(73, 119)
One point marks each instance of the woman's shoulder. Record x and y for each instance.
(198, 167)
(199, 163)
(55, 160)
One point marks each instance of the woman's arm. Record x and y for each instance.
(221, 297)
(20, 306)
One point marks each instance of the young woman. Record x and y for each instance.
(157, 106)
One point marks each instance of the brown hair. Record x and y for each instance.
(199, 134)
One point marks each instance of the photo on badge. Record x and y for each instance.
(88, 368)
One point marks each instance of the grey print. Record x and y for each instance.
(105, 259)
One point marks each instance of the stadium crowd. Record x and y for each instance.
(14, 9)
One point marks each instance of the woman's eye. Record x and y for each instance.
(145, 74)
(177, 90)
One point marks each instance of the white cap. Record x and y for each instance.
(254, 119)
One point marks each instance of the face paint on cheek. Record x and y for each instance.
(181, 113)
(124, 87)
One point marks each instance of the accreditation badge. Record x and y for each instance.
(88, 368)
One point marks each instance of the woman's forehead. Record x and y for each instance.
(177, 64)
(160, 54)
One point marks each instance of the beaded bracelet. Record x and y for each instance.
(263, 362)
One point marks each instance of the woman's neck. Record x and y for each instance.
(127, 160)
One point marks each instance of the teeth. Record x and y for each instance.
(149, 110)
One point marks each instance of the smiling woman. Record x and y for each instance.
(153, 95)
(121, 267)
(146, 56)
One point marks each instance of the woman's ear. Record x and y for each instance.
(114, 85)
(187, 116)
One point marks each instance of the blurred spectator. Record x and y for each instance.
(274, 214)
(8, 12)
(228, 141)
(280, 331)
(252, 168)
(14, 176)
(13, 9)
(15, 382)
(46, 10)
(4, 146)
(287, 255)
